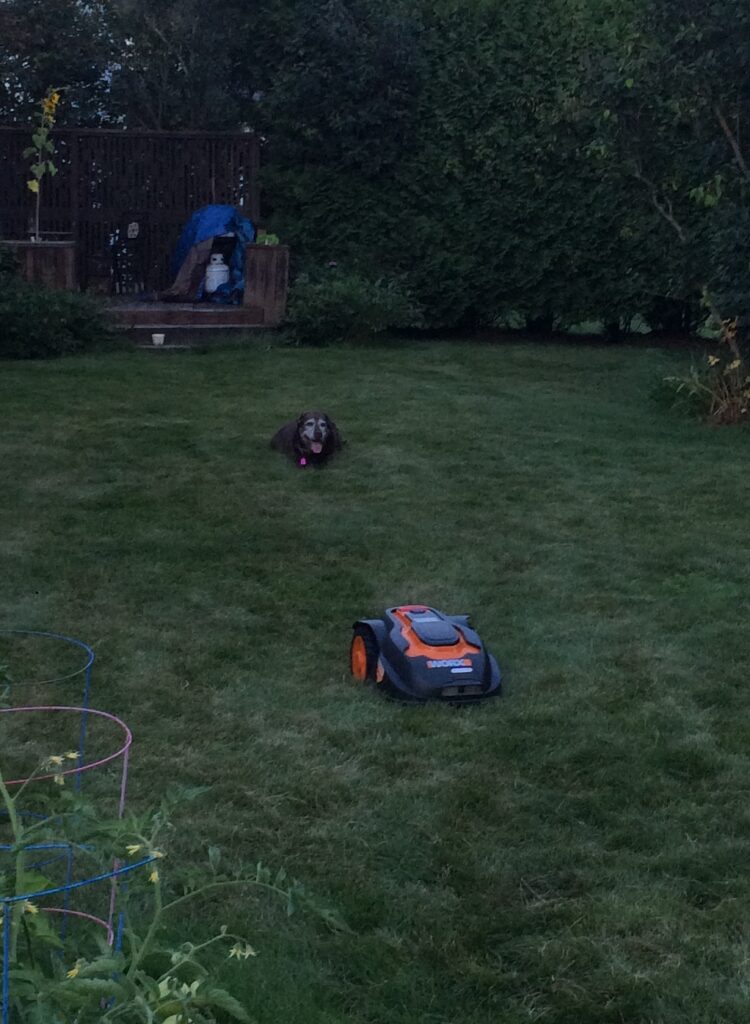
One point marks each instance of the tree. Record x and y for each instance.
(173, 65)
(58, 43)
(444, 142)
(672, 102)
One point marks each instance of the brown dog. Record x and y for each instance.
(310, 440)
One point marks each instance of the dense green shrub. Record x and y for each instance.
(482, 196)
(719, 388)
(664, 111)
(344, 306)
(40, 322)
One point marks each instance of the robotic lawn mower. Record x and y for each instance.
(417, 653)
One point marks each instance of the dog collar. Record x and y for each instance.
(303, 461)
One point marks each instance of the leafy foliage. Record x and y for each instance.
(174, 64)
(344, 306)
(53, 977)
(170, 65)
(41, 322)
(482, 196)
(720, 389)
(41, 151)
(55, 41)
(671, 115)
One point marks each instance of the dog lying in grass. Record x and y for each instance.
(310, 440)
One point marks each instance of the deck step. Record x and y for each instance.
(165, 348)
(193, 328)
(157, 316)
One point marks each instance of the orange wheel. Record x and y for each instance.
(359, 658)
(363, 655)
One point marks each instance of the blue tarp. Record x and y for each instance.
(207, 223)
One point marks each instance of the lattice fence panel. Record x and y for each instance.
(106, 175)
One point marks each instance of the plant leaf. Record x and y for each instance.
(219, 999)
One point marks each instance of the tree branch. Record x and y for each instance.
(664, 206)
(169, 46)
(732, 140)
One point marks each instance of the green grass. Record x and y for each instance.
(576, 853)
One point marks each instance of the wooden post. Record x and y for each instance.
(74, 171)
(267, 280)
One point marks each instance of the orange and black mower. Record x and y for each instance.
(416, 653)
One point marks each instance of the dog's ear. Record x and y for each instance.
(333, 432)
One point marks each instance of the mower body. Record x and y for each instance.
(418, 653)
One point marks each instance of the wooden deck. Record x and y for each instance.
(266, 284)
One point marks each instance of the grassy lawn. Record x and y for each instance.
(577, 852)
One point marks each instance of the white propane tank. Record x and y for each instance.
(217, 273)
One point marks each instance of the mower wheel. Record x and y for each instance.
(363, 654)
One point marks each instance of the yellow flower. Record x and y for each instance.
(134, 848)
(29, 907)
(158, 853)
(58, 780)
(154, 876)
(241, 950)
(730, 328)
(735, 364)
(54, 761)
(72, 755)
(189, 990)
(76, 969)
(713, 360)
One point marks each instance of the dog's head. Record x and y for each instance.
(316, 433)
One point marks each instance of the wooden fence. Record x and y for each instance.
(106, 175)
